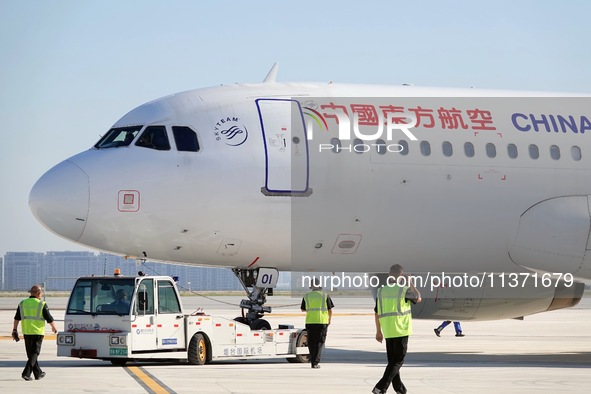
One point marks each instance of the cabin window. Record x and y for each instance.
(554, 152)
(380, 147)
(404, 147)
(118, 136)
(491, 150)
(575, 153)
(469, 149)
(534, 152)
(358, 146)
(447, 149)
(154, 137)
(185, 139)
(425, 148)
(336, 145)
(512, 151)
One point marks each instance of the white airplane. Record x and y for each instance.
(328, 178)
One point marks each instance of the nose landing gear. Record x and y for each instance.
(258, 283)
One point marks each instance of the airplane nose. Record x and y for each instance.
(59, 200)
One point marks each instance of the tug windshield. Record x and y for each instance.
(101, 296)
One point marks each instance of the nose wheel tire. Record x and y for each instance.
(260, 324)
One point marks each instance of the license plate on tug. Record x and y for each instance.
(117, 352)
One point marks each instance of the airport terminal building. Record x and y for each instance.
(58, 270)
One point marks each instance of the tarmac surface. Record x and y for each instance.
(545, 353)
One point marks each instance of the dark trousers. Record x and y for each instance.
(316, 339)
(396, 350)
(33, 346)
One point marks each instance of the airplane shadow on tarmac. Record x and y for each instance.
(343, 356)
(464, 359)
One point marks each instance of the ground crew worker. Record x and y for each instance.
(318, 307)
(393, 321)
(33, 313)
(457, 326)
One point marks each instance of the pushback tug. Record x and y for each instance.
(101, 324)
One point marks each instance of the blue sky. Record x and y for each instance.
(70, 69)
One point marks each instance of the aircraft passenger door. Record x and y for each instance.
(143, 322)
(170, 326)
(286, 147)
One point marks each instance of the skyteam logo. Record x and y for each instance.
(366, 125)
(230, 131)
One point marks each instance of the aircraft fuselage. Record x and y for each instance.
(496, 181)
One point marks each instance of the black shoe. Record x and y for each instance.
(27, 378)
(315, 366)
(377, 391)
(437, 332)
(459, 334)
(41, 376)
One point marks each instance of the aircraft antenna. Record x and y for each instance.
(272, 74)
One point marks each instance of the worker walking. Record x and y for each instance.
(33, 313)
(393, 321)
(445, 323)
(318, 307)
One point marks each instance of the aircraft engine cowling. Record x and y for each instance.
(496, 296)
(555, 236)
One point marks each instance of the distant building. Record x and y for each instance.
(20, 268)
(59, 270)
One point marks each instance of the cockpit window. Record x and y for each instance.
(185, 138)
(154, 137)
(118, 136)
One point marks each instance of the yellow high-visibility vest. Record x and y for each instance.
(316, 309)
(394, 311)
(32, 321)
